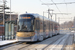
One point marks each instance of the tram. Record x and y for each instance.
(34, 27)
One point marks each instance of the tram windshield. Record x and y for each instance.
(25, 25)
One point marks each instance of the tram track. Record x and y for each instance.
(58, 45)
(69, 43)
(51, 43)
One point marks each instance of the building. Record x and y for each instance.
(7, 18)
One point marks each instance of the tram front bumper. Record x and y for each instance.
(24, 38)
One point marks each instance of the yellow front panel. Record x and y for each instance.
(25, 34)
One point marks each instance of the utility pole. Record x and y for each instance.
(4, 12)
(50, 13)
(74, 29)
(10, 10)
(74, 23)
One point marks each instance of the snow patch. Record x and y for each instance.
(7, 42)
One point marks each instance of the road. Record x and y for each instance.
(63, 41)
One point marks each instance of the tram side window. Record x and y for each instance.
(48, 26)
(44, 25)
(56, 27)
(52, 26)
(37, 25)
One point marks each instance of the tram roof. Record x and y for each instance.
(40, 16)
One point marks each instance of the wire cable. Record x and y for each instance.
(56, 6)
(47, 5)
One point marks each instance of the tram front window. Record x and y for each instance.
(25, 26)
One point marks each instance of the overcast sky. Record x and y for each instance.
(35, 6)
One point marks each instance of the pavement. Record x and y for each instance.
(5, 42)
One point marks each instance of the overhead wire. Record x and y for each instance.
(48, 8)
(56, 6)
(42, 2)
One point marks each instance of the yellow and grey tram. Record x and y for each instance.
(34, 27)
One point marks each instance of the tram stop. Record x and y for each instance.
(9, 30)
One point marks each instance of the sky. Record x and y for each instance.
(35, 6)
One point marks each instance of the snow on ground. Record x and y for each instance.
(73, 31)
(7, 42)
(4, 42)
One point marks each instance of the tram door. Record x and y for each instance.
(44, 29)
(52, 29)
(38, 27)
